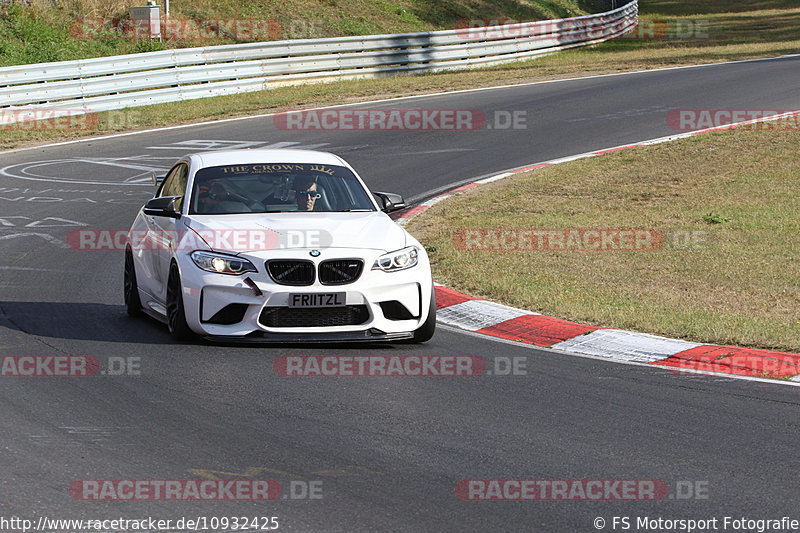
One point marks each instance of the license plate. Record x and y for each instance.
(319, 299)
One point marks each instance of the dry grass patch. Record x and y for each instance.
(736, 283)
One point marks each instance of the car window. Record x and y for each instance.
(166, 186)
(175, 183)
(277, 187)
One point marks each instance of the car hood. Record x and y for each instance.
(235, 233)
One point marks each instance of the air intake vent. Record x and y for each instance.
(298, 317)
(291, 272)
(340, 271)
(230, 314)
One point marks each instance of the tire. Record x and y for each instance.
(176, 314)
(425, 331)
(133, 305)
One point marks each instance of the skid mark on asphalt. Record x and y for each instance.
(82, 435)
(255, 471)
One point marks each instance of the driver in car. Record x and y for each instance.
(210, 198)
(306, 193)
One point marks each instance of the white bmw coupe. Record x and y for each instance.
(276, 246)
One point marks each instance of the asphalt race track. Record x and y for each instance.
(376, 454)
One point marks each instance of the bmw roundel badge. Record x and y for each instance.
(314, 253)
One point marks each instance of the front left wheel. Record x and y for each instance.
(425, 331)
(133, 305)
(176, 314)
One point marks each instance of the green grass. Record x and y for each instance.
(40, 32)
(733, 282)
(732, 30)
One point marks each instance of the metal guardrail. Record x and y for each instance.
(109, 83)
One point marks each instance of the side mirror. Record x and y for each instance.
(163, 206)
(390, 201)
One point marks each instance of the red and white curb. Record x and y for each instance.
(489, 318)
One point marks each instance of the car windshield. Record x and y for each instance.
(277, 188)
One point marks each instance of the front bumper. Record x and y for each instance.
(263, 337)
(388, 305)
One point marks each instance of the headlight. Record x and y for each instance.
(399, 260)
(222, 264)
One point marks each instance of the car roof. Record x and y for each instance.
(247, 156)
